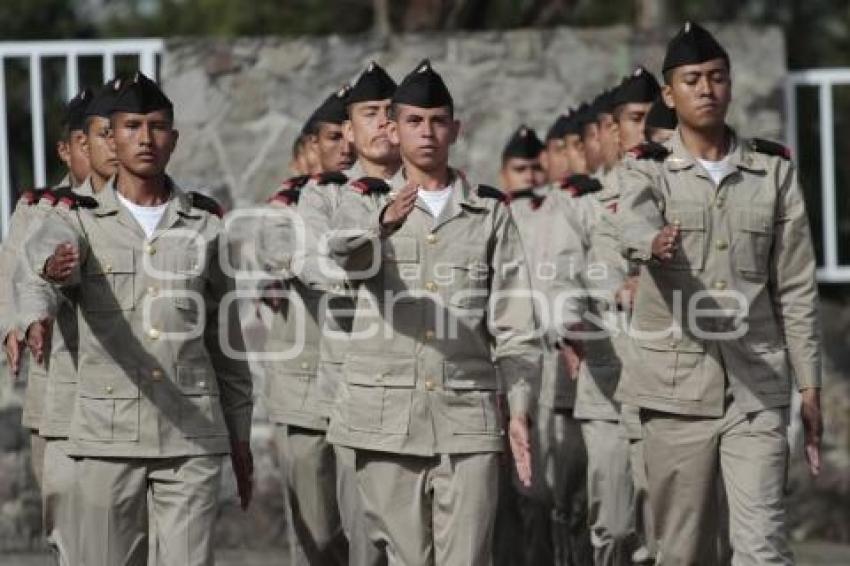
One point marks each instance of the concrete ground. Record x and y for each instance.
(808, 554)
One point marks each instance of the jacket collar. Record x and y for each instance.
(179, 206)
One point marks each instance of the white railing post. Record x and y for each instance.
(37, 117)
(827, 156)
(72, 75)
(5, 173)
(108, 65)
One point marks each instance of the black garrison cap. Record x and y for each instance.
(523, 144)
(104, 100)
(641, 86)
(558, 129)
(139, 95)
(75, 110)
(423, 88)
(331, 111)
(373, 84)
(661, 116)
(693, 44)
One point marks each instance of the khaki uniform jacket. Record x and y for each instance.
(160, 371)
(27, 214)
(551, 234)
(291, 392)
(419, 375)
(747, 242)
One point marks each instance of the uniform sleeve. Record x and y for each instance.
(641, 211)
(37, 297)
(316, 209)
(566, 291)
(511, 319)
(9, 252)
(608, 268)
(792, 278)
(356, 234)
(232, 372)
(276, 241)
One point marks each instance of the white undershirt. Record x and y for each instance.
(147, 216)
(717, 170)
(436, 200)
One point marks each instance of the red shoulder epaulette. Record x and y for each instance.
(580, 185)
(369, 185)
(68, 198)
(334, 177)
(286, 197)
(204, 202)
(295, 182)
(650, 150)
(32, 196)
(768, 147)
(536, 199)
(486, 191)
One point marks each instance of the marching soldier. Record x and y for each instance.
(367, 105)
(295, 400)
(158, 402)
(552, 243)
(72, 154)
(725, 312)
(419, 400)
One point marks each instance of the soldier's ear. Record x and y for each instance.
(348, 131)
(667, 95)
(63, 151)
(544, 160)
(392, 132)
(455, 131)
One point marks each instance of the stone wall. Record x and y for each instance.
(241, 103)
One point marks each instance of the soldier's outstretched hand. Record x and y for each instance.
(14, 347)
(812, 427)
(521, 448)
(665, 243)
(398, 210)
(61, 264)
(38, 338)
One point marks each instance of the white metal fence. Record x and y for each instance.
(35, 53)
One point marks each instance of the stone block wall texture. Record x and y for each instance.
(239, 106)
(241, 103)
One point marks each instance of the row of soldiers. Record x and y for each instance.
(625, 313)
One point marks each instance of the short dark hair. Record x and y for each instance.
(394, 108)
(668, 74)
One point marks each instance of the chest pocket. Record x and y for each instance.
(109, 279)
(753, 238)
(470, 279)
(690, 254)
(400, 265)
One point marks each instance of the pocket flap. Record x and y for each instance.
(671, 345)
(470, 374)
(376, 371)
(754, 221)
(111, 261)
(401, 248)
(107, 381)
(687, 219)
(196, 380)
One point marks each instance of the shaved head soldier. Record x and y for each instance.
(419, 400)
(158, 403)
(719, 221)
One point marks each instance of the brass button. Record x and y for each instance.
(719, 202)
(429, 384)
(722, 245)
(720, 285)
(109, 389)
(337, 287)
(107, 268)
(202, 384)
(305, 365)
(430, 286)
(156, 375)
(429, 335)
(153, 291)
(677, 222)
(149, 249)
(431, 239)
(673, 344)
(153, 333)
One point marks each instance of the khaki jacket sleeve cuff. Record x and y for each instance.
(807, 377)
(640, 250)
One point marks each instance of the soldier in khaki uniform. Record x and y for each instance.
(611, 498)
(552, 243)
(718, 222)
(296, 401)
(71, 152)
(158, 402)
(419, 401)
(58, 501)
(367, 105)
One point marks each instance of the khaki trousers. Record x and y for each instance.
(114, 509)
(644, 525)
(610, 493)
(686, 455)
(360, 549)
(58, 502)
(37, 446)
(430, 510)
(308, 473)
